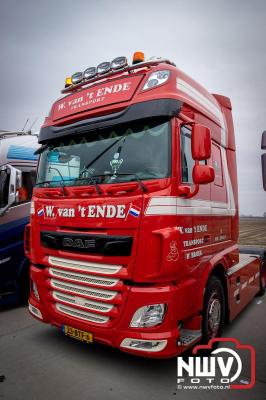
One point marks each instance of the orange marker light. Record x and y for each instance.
(68, 82)
(138, 57)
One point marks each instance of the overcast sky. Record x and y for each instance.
(221, 44)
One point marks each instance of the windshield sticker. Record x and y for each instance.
(115, 164)
(40, 212)
(134, 211)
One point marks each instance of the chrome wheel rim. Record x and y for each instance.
(214, 315)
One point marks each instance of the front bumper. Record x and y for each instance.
(164, 337)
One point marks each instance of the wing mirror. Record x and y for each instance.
(10, 182)
(200, 142)
(200, 151)
(202, 174)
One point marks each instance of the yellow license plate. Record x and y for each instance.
(77, 334)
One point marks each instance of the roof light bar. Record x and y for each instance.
(119, 62)
(89, 73)
(107, 68)
(76, 78)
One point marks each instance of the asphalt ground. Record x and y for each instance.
(38, 362)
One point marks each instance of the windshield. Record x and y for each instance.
(139, 150)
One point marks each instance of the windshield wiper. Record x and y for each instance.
(62, 179)
(90, 179)
(141, 184)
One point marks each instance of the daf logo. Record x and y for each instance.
(78, 243)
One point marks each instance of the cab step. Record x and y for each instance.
(188, 337)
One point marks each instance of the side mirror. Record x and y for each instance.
(201, 142)
(203, 174)
(10, 182)
(263, 159)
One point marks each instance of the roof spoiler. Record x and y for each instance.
(223, 101)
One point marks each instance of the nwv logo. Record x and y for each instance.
(223, 367)
(207, 366)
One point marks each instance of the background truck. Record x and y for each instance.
(134, 218)
(17, 178)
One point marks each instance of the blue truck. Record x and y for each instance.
(17, 178)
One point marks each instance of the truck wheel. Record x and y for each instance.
(213, 310)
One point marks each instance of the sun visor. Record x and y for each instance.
(149, 109)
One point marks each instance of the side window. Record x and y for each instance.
(28, 182)
(4, 187)
(187, 161)
(217, 165)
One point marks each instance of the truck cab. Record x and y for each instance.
(17, 178)
(134, 219)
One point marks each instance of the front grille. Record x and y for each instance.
(73, 312)
(83, 278)
(84, 266)
(80, 301)
(80, 291)
(85, 290)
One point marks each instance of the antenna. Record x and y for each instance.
(27, 120)
(34, 122)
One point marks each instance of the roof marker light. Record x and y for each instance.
(138, 57)
(119, 62)
(104, 67)
(89, 73)
(77, 78)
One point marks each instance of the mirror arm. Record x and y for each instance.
(193, 192)
(185, 191)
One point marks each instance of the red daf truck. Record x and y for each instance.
(134, 219)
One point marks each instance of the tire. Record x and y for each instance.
(213, 310)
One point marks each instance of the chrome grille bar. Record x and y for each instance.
(85, 290)
(80, 301)
(83, 278)
(108, 269)
(74, 312)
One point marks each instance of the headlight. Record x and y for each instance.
(148, 316)
(156, 79)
